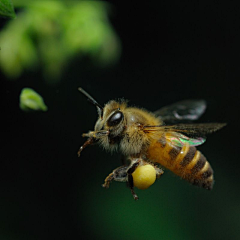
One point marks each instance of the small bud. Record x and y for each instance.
(30, 100)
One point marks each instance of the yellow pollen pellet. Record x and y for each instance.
(144, 176)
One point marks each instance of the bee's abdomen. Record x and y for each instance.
(186, 161)
(192, 165)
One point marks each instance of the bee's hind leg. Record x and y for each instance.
(131, 186)
(130, 183)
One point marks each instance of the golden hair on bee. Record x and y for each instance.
(151, 137)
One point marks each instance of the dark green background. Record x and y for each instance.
(170, 52)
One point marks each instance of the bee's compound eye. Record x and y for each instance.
(115, 119)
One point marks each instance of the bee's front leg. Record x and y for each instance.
(89, 141)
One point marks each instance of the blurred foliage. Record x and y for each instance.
(30, 100)
(6, 9)
(50, 33)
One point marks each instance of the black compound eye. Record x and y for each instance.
(115, 119)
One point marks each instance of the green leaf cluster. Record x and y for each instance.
(49, 34)
(6, 9)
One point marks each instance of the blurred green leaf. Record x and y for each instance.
(6, 9)
(49, 34)
(30, 100)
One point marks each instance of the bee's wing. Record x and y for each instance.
(179, 134)
(183, 110)
(179, 139)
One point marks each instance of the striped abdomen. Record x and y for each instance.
(186, 161)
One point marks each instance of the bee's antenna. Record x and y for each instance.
(93, 101)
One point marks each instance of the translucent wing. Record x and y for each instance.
(197, 129)
(183, 110)
(179, 139)
(179, 134)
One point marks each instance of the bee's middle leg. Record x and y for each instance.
(124, 174)
(119, 174)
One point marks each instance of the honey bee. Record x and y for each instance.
(155, 138)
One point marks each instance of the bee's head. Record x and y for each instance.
(113, 119)
(110, 124)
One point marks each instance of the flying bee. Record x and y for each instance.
(155, 138)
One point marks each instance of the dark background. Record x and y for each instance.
(170, 52)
